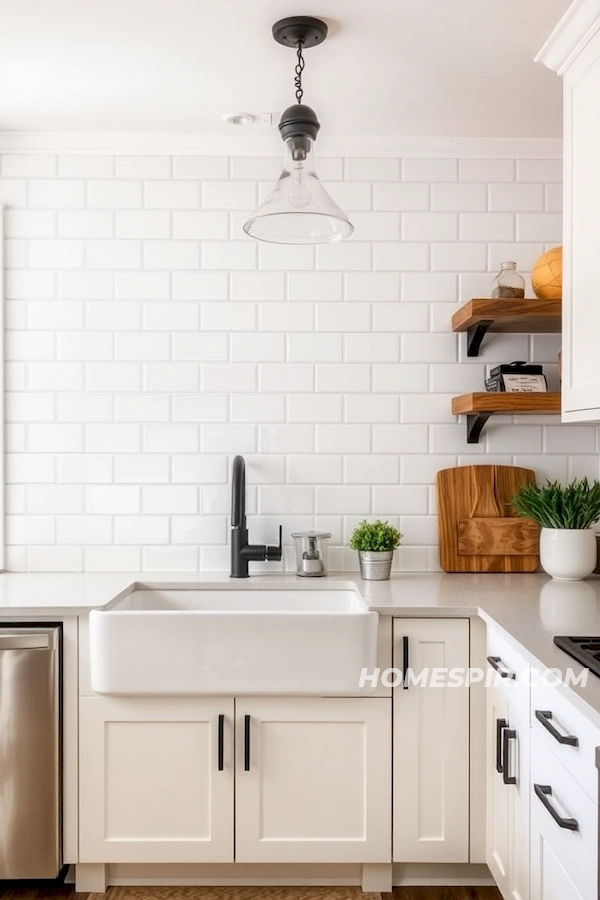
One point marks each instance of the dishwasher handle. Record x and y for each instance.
(24, 641)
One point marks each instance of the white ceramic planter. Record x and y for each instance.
(568, 554)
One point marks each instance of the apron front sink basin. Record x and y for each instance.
(193, 640)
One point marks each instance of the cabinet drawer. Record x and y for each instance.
(567, 734)
(505, 658)
(558, 853)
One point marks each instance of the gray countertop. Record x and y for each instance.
(530, 609)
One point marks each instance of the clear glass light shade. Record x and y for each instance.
(299, 210)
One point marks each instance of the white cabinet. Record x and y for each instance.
(507, 795)
(156, 780)
(573, 50)
(564, 836)
(313, 780)
(431, 744)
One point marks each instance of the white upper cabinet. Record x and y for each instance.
(573, 50)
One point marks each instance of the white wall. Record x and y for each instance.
(149, 341)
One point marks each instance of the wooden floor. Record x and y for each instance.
(22, 891)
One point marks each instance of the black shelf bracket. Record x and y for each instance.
(475, 335)
(475, 423)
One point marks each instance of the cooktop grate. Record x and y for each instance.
(585, 650)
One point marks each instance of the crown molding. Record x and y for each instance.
(574, 31)
(269, 144)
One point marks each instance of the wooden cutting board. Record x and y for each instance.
(478, 528)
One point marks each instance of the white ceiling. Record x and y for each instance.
(440, 68)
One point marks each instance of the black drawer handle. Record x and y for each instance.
(405, 662)
(246, 743)
(509, 734)
(221, 732)
(497, 664)
(501, 724)
(545, 717)
(543, 792)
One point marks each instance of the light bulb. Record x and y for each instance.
(298, 194)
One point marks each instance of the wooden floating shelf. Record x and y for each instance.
(479, 406)
(479, 316)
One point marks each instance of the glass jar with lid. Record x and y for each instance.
(508, 284)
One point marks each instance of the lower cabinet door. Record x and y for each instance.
(564, 832)
(156, 780)
(431, 743)
(516, 741)
(497, 843)
(313, 780)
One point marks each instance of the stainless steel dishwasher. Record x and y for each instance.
(30, 752)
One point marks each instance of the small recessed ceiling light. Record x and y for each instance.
(241, 118)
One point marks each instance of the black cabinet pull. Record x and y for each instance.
(501, 724)
(509, 734)
(221, 731)
(543, 792)
(405, 662)
(545, 717)
(497, 664)
(246, 743)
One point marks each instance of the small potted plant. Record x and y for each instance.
(565, 514)
(375, 542)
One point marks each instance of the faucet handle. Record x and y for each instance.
(274, 554)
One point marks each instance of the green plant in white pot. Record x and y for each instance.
(565, 514)
(376, 543)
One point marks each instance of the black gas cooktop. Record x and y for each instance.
(585, 650)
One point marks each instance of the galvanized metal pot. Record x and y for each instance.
(375, 565)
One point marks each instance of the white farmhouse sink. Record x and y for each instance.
(232, 641)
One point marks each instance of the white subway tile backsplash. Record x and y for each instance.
(255, 286)
(367, 286)
(312, 408)
(109, 254)
(353, 317)
(171, 195)
(425, 170)
(516, 197)
(459, 197)
(51, 193)
(401, 256)
(429, 226)
(143, 167)
(131, 346)
(282, 316)
(371, 169)
(343, 378)
(229, 195)
(196, 285)
(200, 167)
(229, 255)
(286, 377)
(544, 170)
(30, 223)
(84, 530)
(148, 340)
(142, 224)
(401, 197)
(315, 348)
(114, 194)
(170, 438)
(314, 469)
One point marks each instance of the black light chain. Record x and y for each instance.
(298, 70)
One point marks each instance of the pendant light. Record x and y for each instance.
(299, 210)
